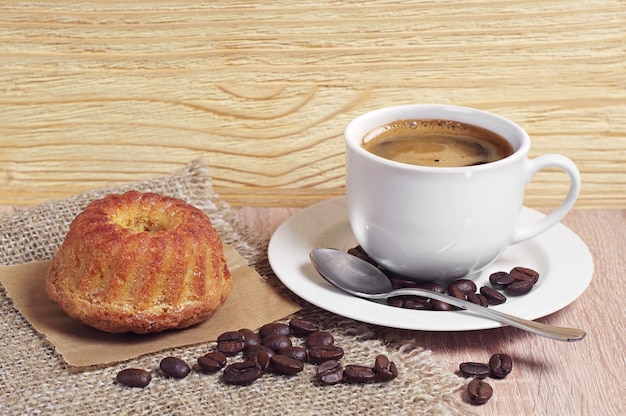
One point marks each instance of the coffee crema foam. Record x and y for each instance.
(442, 143)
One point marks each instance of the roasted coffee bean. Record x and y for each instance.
(250, 337)
(212, 361)
(478, 391)
(396, 301)
(464, 285)
(274, 328)
(175, 367)
(231, 342)
(478, 299)
(276, 342)
(303, 327)
(329, 372)
(360, 253)
(439, 305)
(500, 280)
(409, 302)
(399, 283)
(298, 353)
(264, 360)
(524, 273)
(476, 370)
(457, 293)
(417, 302)
(251, 352)
(483, 299)
(319, 338)
(385, 370)
(134, 377)
(500, 365)
(242, 373)
(323, 353)
(493, 296)
(358, 374)
(519, 287)
(287, 365)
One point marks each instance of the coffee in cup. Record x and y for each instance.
(443, 222)
(432, 142)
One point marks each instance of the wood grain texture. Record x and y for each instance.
(550, 378)
(97, 93)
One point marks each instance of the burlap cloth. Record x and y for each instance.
(34, 379)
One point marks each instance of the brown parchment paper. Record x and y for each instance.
(252, 303)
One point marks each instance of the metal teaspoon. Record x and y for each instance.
(360, 278)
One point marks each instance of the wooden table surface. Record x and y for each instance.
(549, 377)
(97, 93)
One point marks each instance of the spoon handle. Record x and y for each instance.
(554, 332)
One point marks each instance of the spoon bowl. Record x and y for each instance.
(360, 278)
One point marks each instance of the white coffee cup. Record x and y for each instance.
(429, 223)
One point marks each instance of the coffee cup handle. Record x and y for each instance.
(533, 166)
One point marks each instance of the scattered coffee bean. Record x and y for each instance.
(457, 293)
(399, 283)
(319, 338)
(231, 342)
(287, 365)
(478, 299)
(134, 377)
(524, 273)
(250, 337)
(251, 352)
(479, 392)
(439, 305)
(358, 374)
(276, 353)
(519, 281)
(493, 296)
(298, 353)
(500, 365)
(212, 361)
(396, 301)
(410, 302)
(175, 367)
(324, 353)
(242, 373)
(519, 287)
(460, 288)
(274, 328)
(264, 360)
(360, 253)
(477, 370)
(329, 372)
(385, 370)
(417, 303)
(276, 341)
(464, 285)
(303, 327)
(500, 280)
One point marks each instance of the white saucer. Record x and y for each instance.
(559, 255)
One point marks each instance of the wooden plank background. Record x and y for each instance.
(96, 93)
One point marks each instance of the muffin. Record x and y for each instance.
(139, 262)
